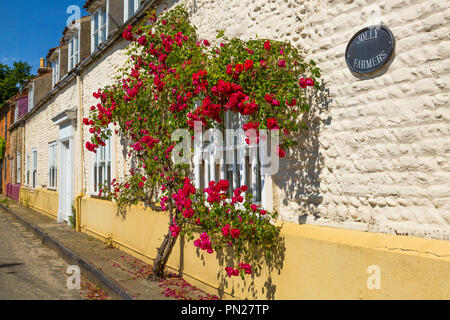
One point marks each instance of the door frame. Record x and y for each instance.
(66, 178)
(66, 121)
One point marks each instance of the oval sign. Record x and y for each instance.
(370, 49)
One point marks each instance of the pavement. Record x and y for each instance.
(29, 270)
(120, 275)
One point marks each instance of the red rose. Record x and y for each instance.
(292, 103)
(235, 233)
(282, 63)
(302, 83)
(262, 212)
(248, 64)
(254, 207)
(223, 185)
(239, 68)
(267, 45)
(272, 123)
(281, 152)
(142, 41)
(309, 82)
(226, 230)
(229, 69)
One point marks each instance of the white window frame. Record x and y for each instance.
(16, 112)
(31, 97)
(101, 16)
(56, 69)
(207, 169)
(34, 172)
(74, 50)
(52, 166)
(28, 167)
(19, 168)
(128, 11)
(102, 161)
(11, 170)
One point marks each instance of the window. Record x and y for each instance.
(74, 51)
(30, 96)
(16, 112)
(11, 170)
(130, 8)
(55, 69)
(34, 173)
(102, 166)
(99, 23)
(19, 167)
(52, 166)
(229, 167)
(28, 164)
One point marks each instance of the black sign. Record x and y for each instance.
(369, 50)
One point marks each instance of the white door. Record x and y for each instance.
(66, 181)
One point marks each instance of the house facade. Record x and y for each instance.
(16, 137)
(6, 119)
(367, 185)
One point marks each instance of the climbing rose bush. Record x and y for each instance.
(173, 79)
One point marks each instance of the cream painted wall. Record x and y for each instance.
(377, 157)
(40, 131)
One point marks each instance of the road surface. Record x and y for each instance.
(28, 269)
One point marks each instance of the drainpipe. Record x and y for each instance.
(81, 165)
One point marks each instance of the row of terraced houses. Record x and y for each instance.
(369, 184)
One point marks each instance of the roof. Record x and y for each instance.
(88, 3)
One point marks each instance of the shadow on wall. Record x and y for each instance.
(263, 269)
(298, 177)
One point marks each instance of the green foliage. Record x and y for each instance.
(73, 218)
(2, 147)
(11, 78)
(173, 79)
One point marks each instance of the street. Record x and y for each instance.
(29, 270)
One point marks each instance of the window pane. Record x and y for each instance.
(130, 8)
(95, 178)
(95, 21)
(102, 34)
(103, 17)
(108, 176)
(101, 175)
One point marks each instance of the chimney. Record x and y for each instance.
(42, 68)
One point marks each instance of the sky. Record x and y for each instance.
(29, 28)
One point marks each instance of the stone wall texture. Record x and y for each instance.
(377, 154)
(40, 130)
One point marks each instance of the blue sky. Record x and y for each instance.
(29, 28)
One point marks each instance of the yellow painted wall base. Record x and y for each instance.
(319, 262)
(42, 200)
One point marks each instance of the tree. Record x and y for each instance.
(175, 81)
(11, 78)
